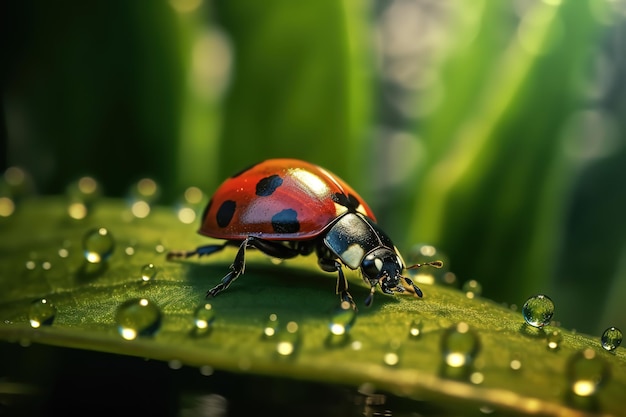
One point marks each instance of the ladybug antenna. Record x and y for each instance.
(436, 264)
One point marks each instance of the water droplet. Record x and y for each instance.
(80, 195)
(415, 329)
(538, 310)
(472, 289)
(7, 206)
(138, 317)
(41, 313)
(289, 339)
(271, 326)
(342, 319)
(586, 372)
(392, 356)
(203, 317)
(554, 339)
(515, 364)
(175, 364)
(98, 245)
(477, 378)
(611, 338)
(206, 370)
(141, 196)
(460, 345)
(159, 248)
(148, 272)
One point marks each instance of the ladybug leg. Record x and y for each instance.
(271, 248)
(332, 265)
(410, 283)
(199, 251)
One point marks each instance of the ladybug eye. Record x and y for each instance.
(372, 266)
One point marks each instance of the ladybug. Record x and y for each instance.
(286, 208)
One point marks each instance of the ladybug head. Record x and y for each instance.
(382, 267)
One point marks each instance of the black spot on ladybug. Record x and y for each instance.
(349, 201)
(235, 175)
(268, 185)
(286, 221)
(225, 213)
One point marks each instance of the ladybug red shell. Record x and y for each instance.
(288, 207)
(279, 199)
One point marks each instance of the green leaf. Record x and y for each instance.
(378, 349)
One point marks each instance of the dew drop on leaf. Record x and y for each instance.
(611, 338)
(289, 339)
(343, 319)
(538, 310)
(148, 272)
(203, 319)
(98, 245)
(138, 317)
(554, 339)
(586, 372)
(459, 345)
(271, 326)
(41, 313)
(415, 329)
(472, 289)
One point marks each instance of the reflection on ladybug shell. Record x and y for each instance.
(279, 199)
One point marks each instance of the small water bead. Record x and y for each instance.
(415, 329)
(459, 345)
(148, 272)
(611, 338)
(138, 317)
(271, 326)
(41, 313)
(289, 339)
(142, 194)
(392, 356)
(554, 339)
(342, 319)
(98, 245)
(81, 194)
(538, 310)
(472, 289)
(203, 317)
(587, 372)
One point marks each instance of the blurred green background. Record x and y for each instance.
(492, 130)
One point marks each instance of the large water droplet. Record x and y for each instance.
(472, 289)
(41, 313)
(148, 272)
(203, 317)
(98, 245)
(586, 372)
(289, 339)
(343, 319)
(538, 310)
(459, 345)
(138, 317)
(611, 338)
